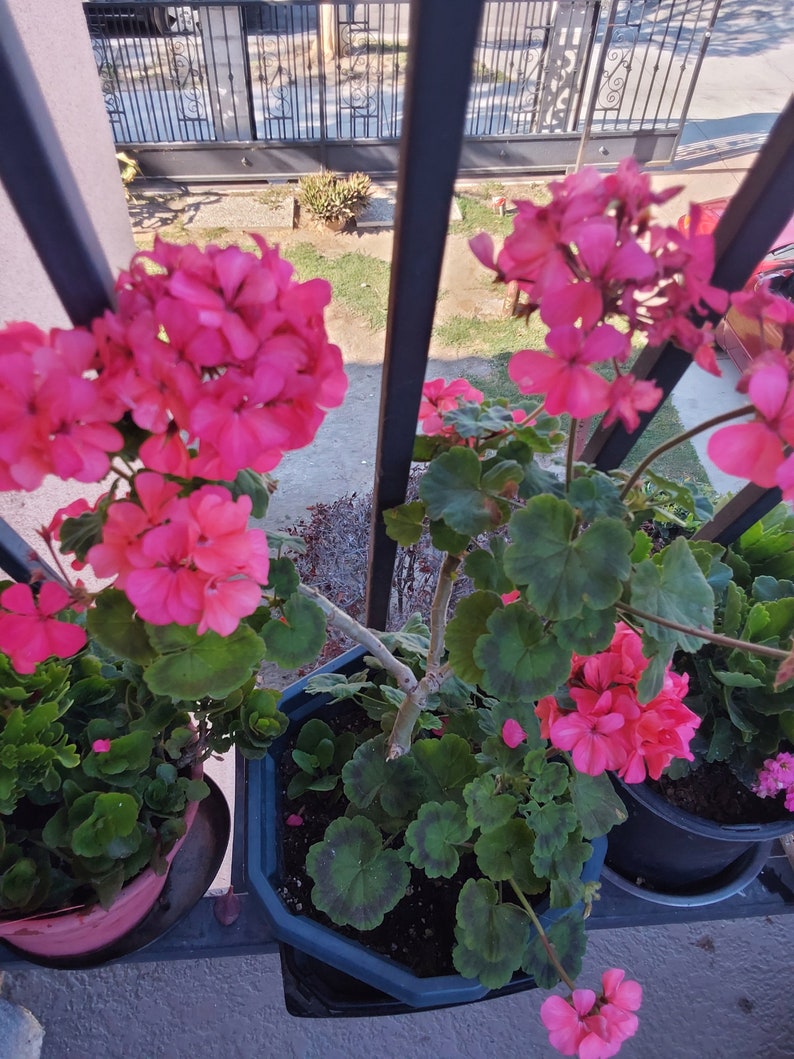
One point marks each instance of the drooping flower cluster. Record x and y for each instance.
(190, 559)
(224, 349)
(609, 728)
(777, 775)
(592, 1027)
(760, 450)
(591, 256)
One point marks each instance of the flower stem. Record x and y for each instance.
(705, 634)
(399, 741)
(547, 945)
(438, 611)
(569, 455)
(671, 443)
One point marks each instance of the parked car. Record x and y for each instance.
(736, 334)
(106, 18)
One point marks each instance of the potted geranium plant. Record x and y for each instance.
(216, 362)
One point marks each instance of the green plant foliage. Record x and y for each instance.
(519, 659)
(356, 880)
(192, 666)
(398, 785)
(563, 572)
(491, 937)
(299, 637)
(448, 765)
(434, 836)
(114, 624)
(673, 586)
(567, 935)
(330, 197)
(404, 523)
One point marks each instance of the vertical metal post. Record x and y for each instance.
(597, 75)
(441, 52)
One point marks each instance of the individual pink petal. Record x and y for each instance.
(748, 450)
(294, 820)
(100, 746)
(513, 733)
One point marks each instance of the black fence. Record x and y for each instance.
(321, 83)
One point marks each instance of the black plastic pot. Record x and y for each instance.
(662, 853)
(320, 942)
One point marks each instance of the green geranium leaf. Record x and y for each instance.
(299, 638)
(596, 495)
(356, 881)
(485, 808)
(80, 534)
(399, 785)
(491, 936)
(564, 573)
(659, 656)
(451, 491)
(404, 523)
(642, 547)
(597, 805)
(551, 783)
(567, 936)
(257, 486)
(552, 824)
(474, 420)
(518, 658)
(486, 569)
(468, 625)
(425, 447)
(567, 863)
(337, 685)
(672, 585)
(283, 579)
(433, 838)
(506, 852)
(447, 540)
(113, 622)
(194, 666)
(588, 634)
(448, 765)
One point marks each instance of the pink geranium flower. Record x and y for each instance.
(438, 397)
(29, 630)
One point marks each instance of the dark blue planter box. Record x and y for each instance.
(264, 822)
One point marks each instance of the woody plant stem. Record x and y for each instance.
(416, 691)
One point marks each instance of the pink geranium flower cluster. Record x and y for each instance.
(760, 450)
(609, 727)
(592, 255)
(224, 349)
(776, 776)
(592, 1027)
(54, 418)
(438, 397)
(190, 559)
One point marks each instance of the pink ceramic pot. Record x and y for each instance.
(79, 931)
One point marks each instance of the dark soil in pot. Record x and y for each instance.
(712, 792)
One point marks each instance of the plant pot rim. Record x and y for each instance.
(699, 825)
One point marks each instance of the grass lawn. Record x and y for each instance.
(360, 282)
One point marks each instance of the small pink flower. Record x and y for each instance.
(513, 733)
(511, 597)
(294, 820)
(100, 746)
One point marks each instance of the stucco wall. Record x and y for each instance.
(56, 40)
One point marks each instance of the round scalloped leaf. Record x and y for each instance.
(448, 765)
(519, 659)
(487, 809)
(193, 666)
(113, 622)
(451, 490)
(399, 785)
(505, 853)
(673, 586)
(299, 637)
(589, 633)
(404, 523)
(463, 631)
(491, 937)
(433, 838)
(357, 881)
(564, 573)
(551, 783)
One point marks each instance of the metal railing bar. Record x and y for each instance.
(439, 70)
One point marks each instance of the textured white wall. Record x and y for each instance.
(56, 40)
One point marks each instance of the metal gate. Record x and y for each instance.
(242, 89)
